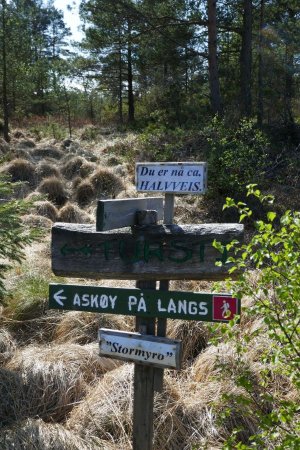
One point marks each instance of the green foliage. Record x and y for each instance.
(161, 144)
(237, 156)
(269, 267)
(28, 298)
(49, 129)
(13, 235)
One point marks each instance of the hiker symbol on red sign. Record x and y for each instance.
(224, 308)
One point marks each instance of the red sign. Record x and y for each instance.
(224, 308)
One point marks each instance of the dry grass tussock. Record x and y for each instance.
(48, 151)
(194, 337)
(203, 404)
(7, 345)
(35, 434)
(179, 423)
(47, 381)
(209, 363)
(209, 371)
(87, 168)
(82, 327)
(215, 358)
(76, 181)
(46, 209)
(84, 193)
(71, 213)
(4, 147)
(55, 190)
(18, 134)
(21, 190)
(21, 170)
(106, 183)
(106, 412)
(26, 144)
(35, 331)
(128, 192)
(36, 221)
(182, 420)
(46, 169)
(121, 170)
(191, 209)
(71, 168)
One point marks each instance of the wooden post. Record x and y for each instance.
(169, 209)
(164, 286)
(144, 375)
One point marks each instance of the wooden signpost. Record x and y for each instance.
(145, 252)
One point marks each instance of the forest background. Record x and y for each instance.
(170, 63)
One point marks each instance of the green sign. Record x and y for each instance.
(147, 303)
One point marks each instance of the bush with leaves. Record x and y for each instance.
(270, 275)
(13, 235)
(237, 156)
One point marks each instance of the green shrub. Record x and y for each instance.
(49, 129)
(157, 143)
(90, 133)
(13, 236)
(270, 275)
(237, 156)
(28, 298)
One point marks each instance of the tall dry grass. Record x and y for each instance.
(47, 382)
(55, 189)
(184, 417)
(46, 209)
(8, 344)
(106, 412)
(193, 335)
(106, 183)
(35, 434)
(82, 327)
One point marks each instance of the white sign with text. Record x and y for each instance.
(172, 177)
(143, 349)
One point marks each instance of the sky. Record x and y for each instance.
(71, 18)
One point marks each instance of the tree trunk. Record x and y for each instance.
(4, 70)
(260, 81)
(289, 86)
(120, 88)
(68, 108)
(289, 80)
(130, 78)
(246, 60)
(214, 85)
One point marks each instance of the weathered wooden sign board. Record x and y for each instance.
(135, 347)
(199, 306)
(143, 252)
(172, 177)
(113, 214)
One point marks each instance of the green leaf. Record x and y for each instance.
(271, 216)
